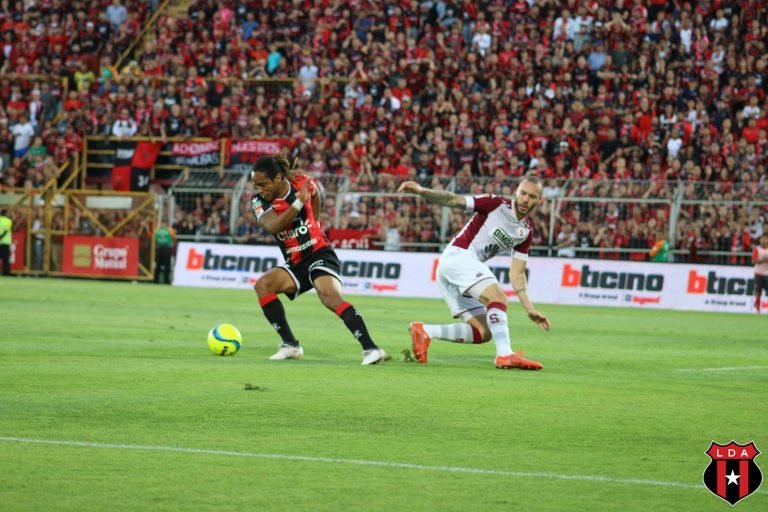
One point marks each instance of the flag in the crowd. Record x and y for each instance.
(133, 161)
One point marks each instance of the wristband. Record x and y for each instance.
(298, 204)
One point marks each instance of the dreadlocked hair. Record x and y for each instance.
(275, 165)
(288, 169)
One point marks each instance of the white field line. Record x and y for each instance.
(722, 369)
(357, 462)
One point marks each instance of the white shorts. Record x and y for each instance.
(461, 278)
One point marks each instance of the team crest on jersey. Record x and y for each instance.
(257, 207)
(501, 236)
(732, 475)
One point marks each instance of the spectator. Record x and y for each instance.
(23, 131)
(597, 56)
(566, 241)
(124, 125)
(84, 78)
(117, 14)
(6, 146)
(566, 27)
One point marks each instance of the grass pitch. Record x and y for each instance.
(110, 399)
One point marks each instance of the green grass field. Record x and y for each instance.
(111, 400)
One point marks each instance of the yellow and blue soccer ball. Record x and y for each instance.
(225, 340)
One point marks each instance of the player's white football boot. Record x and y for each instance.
(374, 356)
(288, 352)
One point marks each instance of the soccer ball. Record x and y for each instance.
(224, 340)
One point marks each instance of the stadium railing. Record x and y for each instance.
(357, 213)
(356, 206)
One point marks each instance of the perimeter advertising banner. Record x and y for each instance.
(95, 255)
(239, 266)
(550, 280)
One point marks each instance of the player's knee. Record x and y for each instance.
(485, 335)
(331, 300)
(262, 287)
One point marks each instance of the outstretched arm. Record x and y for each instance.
(520, 284)
(441, 197)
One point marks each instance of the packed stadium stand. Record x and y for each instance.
(648, 120)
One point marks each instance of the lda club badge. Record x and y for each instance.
(732, 474)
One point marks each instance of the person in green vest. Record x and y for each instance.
(6, 228)
(660, 250)
(165, 239)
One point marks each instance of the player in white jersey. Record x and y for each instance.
(470, 289)
(760, 259)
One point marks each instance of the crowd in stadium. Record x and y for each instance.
(657, 92)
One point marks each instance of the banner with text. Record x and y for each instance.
(95, 255)
(241, 154)
(196, 154)
(550, 280)
(351, 238)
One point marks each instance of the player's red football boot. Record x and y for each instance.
(420, 341)
(516, 361)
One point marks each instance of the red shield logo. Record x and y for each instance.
(732, 474)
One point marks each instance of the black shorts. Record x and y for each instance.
(304, 273)
(761, 284)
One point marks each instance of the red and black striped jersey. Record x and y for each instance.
(304, 236)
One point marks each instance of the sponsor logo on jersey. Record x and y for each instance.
(302, 229)
(502, 237)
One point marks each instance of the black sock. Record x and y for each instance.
(273, 310)
(354, 322)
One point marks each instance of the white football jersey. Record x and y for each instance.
(494, 228)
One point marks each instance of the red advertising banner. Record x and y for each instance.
(351, 238)
(18, 246)
(242, 153)
(95, 255)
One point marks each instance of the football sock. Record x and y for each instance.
(354, 322)
(456, 333)
(275, 313)
(757, 303)
(497, 323)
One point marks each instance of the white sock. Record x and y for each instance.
(457, 333)
(497, 323)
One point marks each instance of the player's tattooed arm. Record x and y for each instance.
(441, 197)
(444, 198)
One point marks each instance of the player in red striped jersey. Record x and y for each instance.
(286, 204)
(468, 286)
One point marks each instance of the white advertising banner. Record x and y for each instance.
(363, 272)
(645, 285)
(550, 280)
